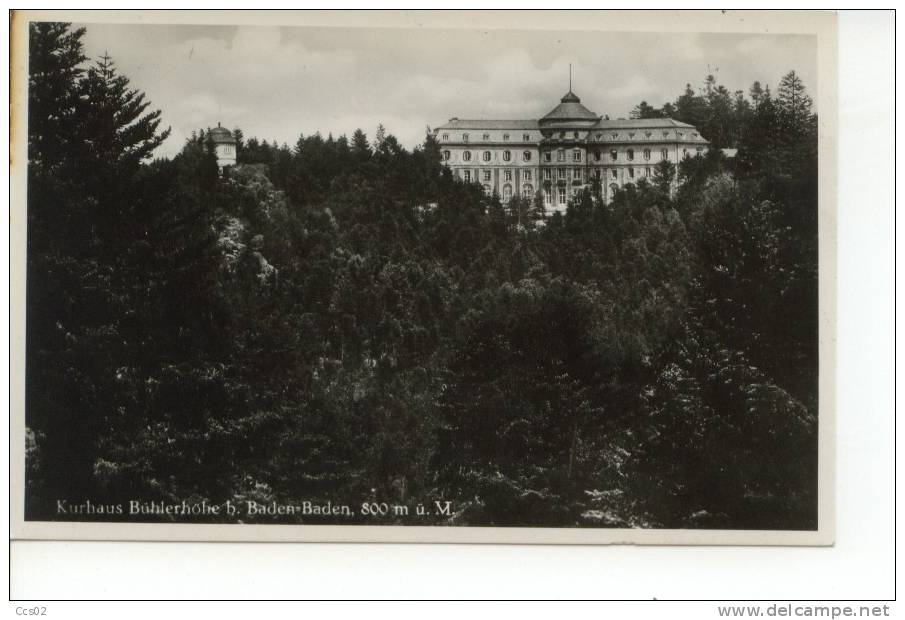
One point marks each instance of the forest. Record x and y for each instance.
(343, 320)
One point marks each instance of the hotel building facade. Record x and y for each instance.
(563, 152)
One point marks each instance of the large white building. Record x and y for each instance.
(563, 151)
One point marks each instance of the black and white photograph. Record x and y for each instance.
(375, 283)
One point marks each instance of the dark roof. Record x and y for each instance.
(569, 109)
(221, 135)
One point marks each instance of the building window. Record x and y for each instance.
(647, 171)
(486, 156)
(630, 154)
(526, 156)
(446, 136)
(699, 149)
(547, 174)
(614, 155)
(575, 135)
(507, 175)
(507, 155)
(527, 190)
(613, 189)
(684, 152)
(562, 135)
(487, 189)
(505, 136)
(446, 155)
(507, 193)
(599, 137)
(526, 137)
(548, 196)
(466, 156)
(467, 176)
(597, 174)
(527, 175)
(646, 154)
(631, 173)
(486, 136)
(576, 173)
(487, 175)
(562, 174)
(560, 155)
(576, 155)
(597, 155)
(548, 157)
(664, 153)
(615, 174)
(464, 137)
(562, 195)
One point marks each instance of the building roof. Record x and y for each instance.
(569, 113)
(461, 123)
(221, 135)
(642, 123)
(569, 109)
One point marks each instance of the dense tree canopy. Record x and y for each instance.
(343, 319)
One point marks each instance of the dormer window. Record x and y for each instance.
(464, 137)
(665, 134)
(648, 134)
(445, 136)
(575, 135)
(631, 135)
(526, 137)
(505, 136)
(446, 155)
(486, 136)
(599, 137)
(615, 135)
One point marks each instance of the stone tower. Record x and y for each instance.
(225, 146)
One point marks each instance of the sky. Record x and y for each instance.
(277, 83)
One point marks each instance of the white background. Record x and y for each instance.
(859, 566)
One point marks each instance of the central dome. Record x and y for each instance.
(569, 110)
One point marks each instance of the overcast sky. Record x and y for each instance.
(278, 83)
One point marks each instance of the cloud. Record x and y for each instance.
(277, 83)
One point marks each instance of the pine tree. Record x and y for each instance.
(360, 147)
(795, 105)
(54, 59)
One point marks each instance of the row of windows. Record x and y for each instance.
(507, 175)
(486, 156)
(527, 190)
(562, 174)
(526, 137)
(576, 155)
(561, 194)
(562, 134)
